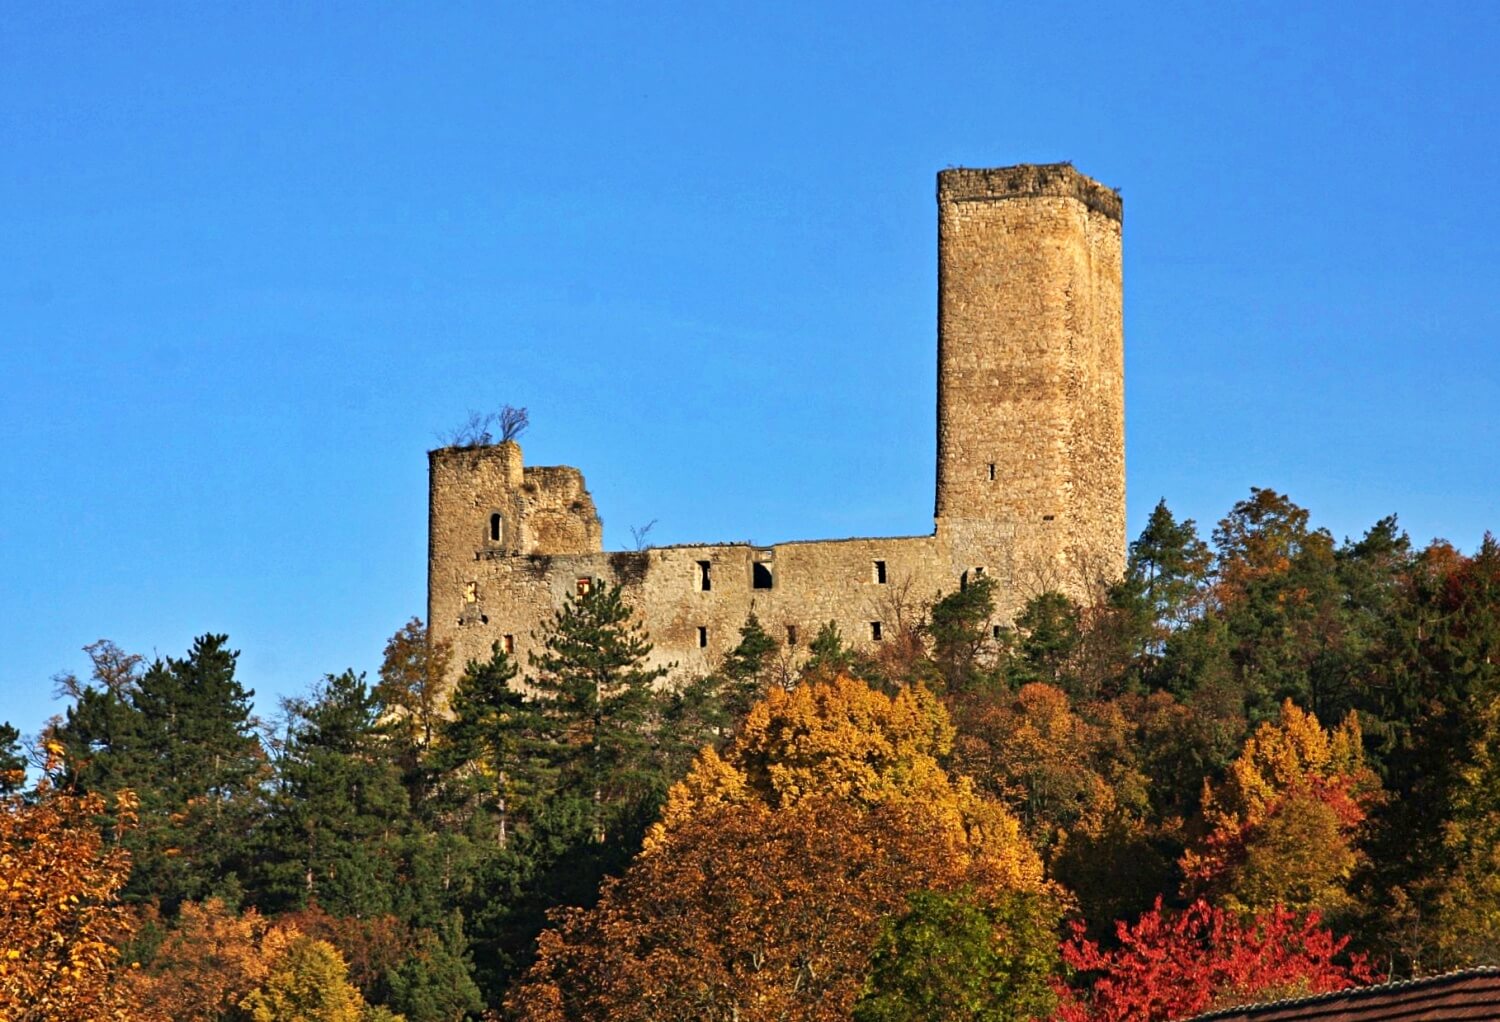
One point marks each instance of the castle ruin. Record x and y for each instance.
(1030, 464)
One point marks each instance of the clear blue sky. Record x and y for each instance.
(253, 257)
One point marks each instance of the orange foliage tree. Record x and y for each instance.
(763, 891)
(61, 923)
(209, 962)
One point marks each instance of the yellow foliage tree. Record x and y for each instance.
(840, 739)
(308, 982)
(61, 924)
(1281, 828)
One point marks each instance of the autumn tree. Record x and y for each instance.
(1277, 589)
(1174, 965)
(842, 739)
(762, 892)
(750, 913)
(1033, 751)
(1075, 780)
(209, 961)
(309, 982)
(61, 920)
(1283, 825)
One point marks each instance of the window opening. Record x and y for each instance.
(1048, 518)
(702, 636)
(508, 643)
(963, 581)
(496, 527)
(760, 576)
(791, 635)
(584, 585)
(471, 592)
(992, 471)
(880, 572)
(994, 631)
(979, 573)
(875, 630)
(705, 583)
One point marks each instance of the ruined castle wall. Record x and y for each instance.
(811, 583)
(1030, 469)
(558, 513)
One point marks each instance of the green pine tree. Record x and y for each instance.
(180, 734)
(958, 628)
(494, 746)
(597, 693)
(340, 810)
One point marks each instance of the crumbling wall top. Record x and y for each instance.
(1028, 180)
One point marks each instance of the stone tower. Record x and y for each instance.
(1031, 393)
(484, 508)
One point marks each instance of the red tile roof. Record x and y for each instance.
(1470, 994)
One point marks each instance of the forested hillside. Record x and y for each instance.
(1264, 763)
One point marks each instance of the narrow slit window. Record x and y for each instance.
(497, 527)
(583, 585)
(880, 573)
(992, 471)
(963, 581)
(705, 581)
(702, 636)
(994, 631)
(760, 576)
(1048, 518)
(791, 635)
(508, 643)
(875, 631)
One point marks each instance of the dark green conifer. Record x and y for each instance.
(340, 811)
(597, 693)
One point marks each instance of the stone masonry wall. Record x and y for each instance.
(810, 584)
